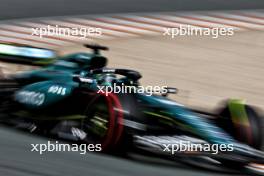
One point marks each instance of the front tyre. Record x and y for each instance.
(103, 123)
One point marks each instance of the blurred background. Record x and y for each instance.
(206, 70)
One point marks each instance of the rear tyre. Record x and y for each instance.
(7, 89)
(243, 123)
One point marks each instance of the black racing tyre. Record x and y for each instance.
(7, 89)
(103, 124)
(8, 85)
(246, 129)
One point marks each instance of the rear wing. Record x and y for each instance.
(25, 54)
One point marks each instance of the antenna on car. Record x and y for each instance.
(96, 48)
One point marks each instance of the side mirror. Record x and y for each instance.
(170, 90)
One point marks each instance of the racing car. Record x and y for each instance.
(68, 99)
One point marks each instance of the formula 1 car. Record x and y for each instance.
(68, 99)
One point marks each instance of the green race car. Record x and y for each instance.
(70, 99)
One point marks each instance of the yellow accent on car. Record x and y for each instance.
(238, 111)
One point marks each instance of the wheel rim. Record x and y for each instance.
(100, 122)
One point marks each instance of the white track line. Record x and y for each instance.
(162, 23)
(124, 25)
(136, 27)
(26, 42)
(149, 27)
(34, 38)
(255, 13)
(123, 29)
(239, 22)
(194, 19)
(115, 31)
(241, 18)
(28, 34)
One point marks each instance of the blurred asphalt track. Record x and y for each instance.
(12, 9)
(16, 158)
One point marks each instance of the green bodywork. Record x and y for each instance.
(63, 68)
(54, 83)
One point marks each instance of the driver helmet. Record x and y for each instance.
(106, 79)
